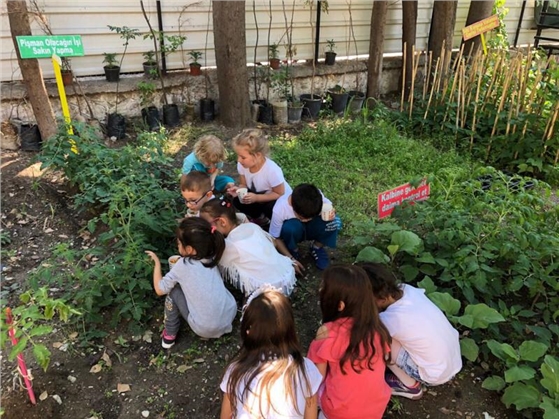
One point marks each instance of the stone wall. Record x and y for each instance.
(181, 88)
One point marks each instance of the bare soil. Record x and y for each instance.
(137, 376)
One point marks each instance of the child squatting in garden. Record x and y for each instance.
(260, 175)
(208, 157)
(425, 347)
(250, 259)
(351, 347)
(196, 189)
(298, 216)
(270, 378)
(194, 286)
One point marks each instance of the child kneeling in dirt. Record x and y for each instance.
(425, 347)
(194, 286)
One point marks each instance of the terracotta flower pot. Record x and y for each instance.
(195, 69)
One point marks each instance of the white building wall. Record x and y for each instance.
(193, 19)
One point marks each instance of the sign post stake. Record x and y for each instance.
(56, 62)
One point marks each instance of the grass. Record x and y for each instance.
(352, 162)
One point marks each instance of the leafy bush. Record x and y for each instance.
(352, 161)
(491, 243)
(133, 192)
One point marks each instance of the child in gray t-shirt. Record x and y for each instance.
(194, 286)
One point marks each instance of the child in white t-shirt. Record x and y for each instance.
(260, 175)
(270, 378)
(250, 259)
(425, 347)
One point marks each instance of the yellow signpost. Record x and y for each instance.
(479, 28)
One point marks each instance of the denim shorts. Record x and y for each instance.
(405, 362)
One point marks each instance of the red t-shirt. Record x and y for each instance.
(350, 395)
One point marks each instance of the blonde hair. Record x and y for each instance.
(210, 149)
(253, 139)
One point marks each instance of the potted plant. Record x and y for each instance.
(66, 71)
(112, 70)
(116, 123)
(330, 54)
(195, 66)
(151, 69)
(273, 54)
(339, 98)
(280, 84)
(150, 113)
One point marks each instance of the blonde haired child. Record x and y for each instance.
(270, 378)
(194, 287)
(259, 174)
(208, 157)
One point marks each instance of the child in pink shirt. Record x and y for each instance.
(351, 347)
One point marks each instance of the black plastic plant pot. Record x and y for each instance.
(151, 71)
(330, 58)
(294, 114)
(171, 116)
(112, 74)
(116, 125)
(207, 109)
(30, 137)
(339, 101)
(265, 113)
(150, 116)
(311, 106)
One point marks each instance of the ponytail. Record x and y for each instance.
(202, 237)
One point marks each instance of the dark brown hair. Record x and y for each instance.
(349, 284)
(220, 207)
(383, 281)
(268, 334)
(201, 236)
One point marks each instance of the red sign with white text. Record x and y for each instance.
(387, 200)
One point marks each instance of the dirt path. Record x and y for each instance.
(180, 383)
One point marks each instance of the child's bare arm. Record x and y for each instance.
(322, 333)
(281, 248)
(311, 407)
(276, 192)
(157, 275)
(226, 407)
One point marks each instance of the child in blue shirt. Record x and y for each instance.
(208, 156)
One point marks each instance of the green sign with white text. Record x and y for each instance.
(46, 46)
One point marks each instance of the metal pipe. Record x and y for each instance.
(161, 39)
(519, 23)
(317, 39)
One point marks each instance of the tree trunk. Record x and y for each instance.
(409, 29)
(378, 19)
(479, 10)
(231, 59)
(442, 28)
(31, 72)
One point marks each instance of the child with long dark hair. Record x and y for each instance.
(351, 347)
(250, 259)
(270, 378)
(194, 286)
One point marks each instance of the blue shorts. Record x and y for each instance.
(405, 362)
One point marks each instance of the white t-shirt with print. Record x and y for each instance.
(283, 211)
(269, 176)
(278, 393)
(426, 334)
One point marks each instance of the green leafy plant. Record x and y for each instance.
(110, 59)
(194, 57)
(488, 242)
(330, 44)
(273, 51)
(280, 82)
(147, 92)
(149, 57)
(126, 34)
(131, 191)
(31, 319)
